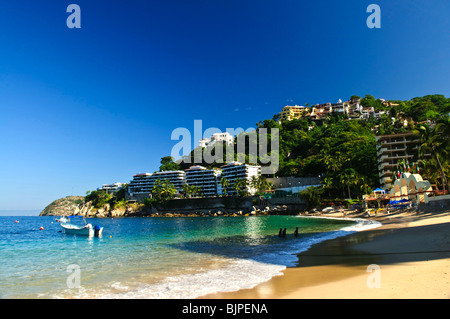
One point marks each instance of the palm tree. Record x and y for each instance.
(255, 182)
(311, 196)
(163, 190)
(225, 185)
(196, 190)
(240, 186)
(364, 185)
(437, 142)
(186, 189)
(347, 178)
(264, 184)
(429, 170)
(190, 190)
(331, 164)
(441, 136)
(260, 184)
(328, 184)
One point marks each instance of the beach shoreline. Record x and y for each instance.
(406, 258)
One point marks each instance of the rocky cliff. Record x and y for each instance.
(75, 205)
(219, 206)
(63, 206)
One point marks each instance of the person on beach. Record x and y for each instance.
(296, 232)
(284, 232)
(280, 233)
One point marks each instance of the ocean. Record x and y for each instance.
(154, 257)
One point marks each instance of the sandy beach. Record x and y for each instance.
(407, 257)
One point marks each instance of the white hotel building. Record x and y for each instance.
(207, 179)
(235, 170)
(111, 188)
(142, 184)
(225, 137)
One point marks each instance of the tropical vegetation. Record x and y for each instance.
(339, 150)
(434, 151)
(100, 198)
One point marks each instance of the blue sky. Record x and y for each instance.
(84, 107)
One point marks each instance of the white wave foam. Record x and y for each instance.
(239, 274)
(361, 223)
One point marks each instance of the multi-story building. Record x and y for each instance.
(204, 142)
(206, 179)
(142, 184)
(222, 137)
(225, 137)
(209, 180)
(235, 170)
(352, 108)
(341, 107)
(390, 150)
(111, 188)
(289, 113)
(177, 178)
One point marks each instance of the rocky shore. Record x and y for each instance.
(75, 205)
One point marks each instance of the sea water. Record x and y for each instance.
(154, 257)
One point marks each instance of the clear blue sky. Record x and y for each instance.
(84, 107)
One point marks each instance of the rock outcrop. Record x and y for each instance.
(63, 206)
(224, 206)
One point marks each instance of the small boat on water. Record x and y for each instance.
(77, 225)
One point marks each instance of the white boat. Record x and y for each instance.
(77, 225)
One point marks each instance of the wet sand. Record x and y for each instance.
(407, 257)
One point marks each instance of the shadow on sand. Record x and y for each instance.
(383, 246)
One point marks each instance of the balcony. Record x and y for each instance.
(383, 165)
(394, 157)
(387, 172)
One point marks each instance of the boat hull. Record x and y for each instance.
(82, 231)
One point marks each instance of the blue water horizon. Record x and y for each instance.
(20, 212)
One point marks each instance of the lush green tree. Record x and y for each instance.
(436, 143)
(163, 190)
(260, 184)
(268, 124)
(240, 186)
(191, 190)
(99, 198)
(328, 184)
(225, 183)
(347, 178)
(311, 196)
(370, 101)
(148, 202)
(167, 164)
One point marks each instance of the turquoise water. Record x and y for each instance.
(153, 257)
